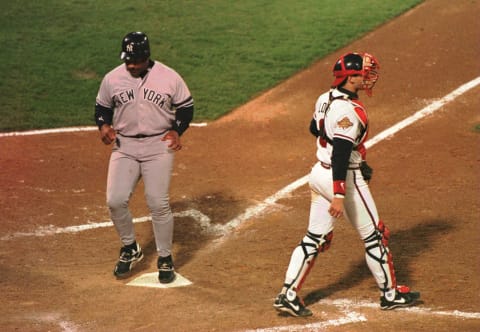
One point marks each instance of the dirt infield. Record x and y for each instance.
(426, 185)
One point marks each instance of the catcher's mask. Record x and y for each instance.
(135, 46)
(363, 64)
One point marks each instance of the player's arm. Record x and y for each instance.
(342, 149)
(340, 160)
(103, 119)
(313, 128)
(103, 115)
(183, 117)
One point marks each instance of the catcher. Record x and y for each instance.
(339, 187)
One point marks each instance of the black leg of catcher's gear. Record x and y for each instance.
(301, 263)
(304, 256)
(393, 295)
(379, 258)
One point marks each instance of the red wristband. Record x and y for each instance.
(339, 187)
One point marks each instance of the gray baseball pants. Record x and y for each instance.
(148, 159)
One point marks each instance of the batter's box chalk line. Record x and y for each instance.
(348, 317)
(151, 280)
(203, 220)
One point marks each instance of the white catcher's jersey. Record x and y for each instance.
(143, 105)
(340, 117)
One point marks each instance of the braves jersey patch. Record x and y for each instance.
(345, 123)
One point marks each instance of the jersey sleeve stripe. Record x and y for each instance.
(186, 103)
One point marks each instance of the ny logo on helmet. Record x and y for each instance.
(130, 47)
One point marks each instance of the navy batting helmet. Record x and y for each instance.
(135, 46)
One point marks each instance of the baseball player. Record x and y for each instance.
(143, 107)
(339, 187)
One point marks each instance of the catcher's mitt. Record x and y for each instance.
(366, 170)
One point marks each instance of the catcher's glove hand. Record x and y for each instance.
(366, 170)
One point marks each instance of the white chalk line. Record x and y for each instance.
(350, 304)
(67, 130)
(347, 307)
(349, 318)
(203, 220)
(49, 317)
(428, 110)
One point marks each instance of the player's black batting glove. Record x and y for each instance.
(366, 170)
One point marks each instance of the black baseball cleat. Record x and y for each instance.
(166, 271)
(403, 298)
(128, 259)
(295, 307)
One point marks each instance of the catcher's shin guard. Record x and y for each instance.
(303, 258)
(379, 259)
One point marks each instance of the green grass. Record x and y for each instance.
(54, 53)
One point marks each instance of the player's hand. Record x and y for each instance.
(107, 134)
(336, 207)
(174, 139)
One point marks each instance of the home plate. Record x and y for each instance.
(151, 280)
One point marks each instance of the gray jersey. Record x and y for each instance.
(143, 105)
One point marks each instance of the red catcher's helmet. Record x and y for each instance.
(363, 64)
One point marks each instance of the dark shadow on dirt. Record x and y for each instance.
(190, 235)
(404, 245)
(219, 207)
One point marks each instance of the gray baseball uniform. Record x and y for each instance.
(144, 109)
